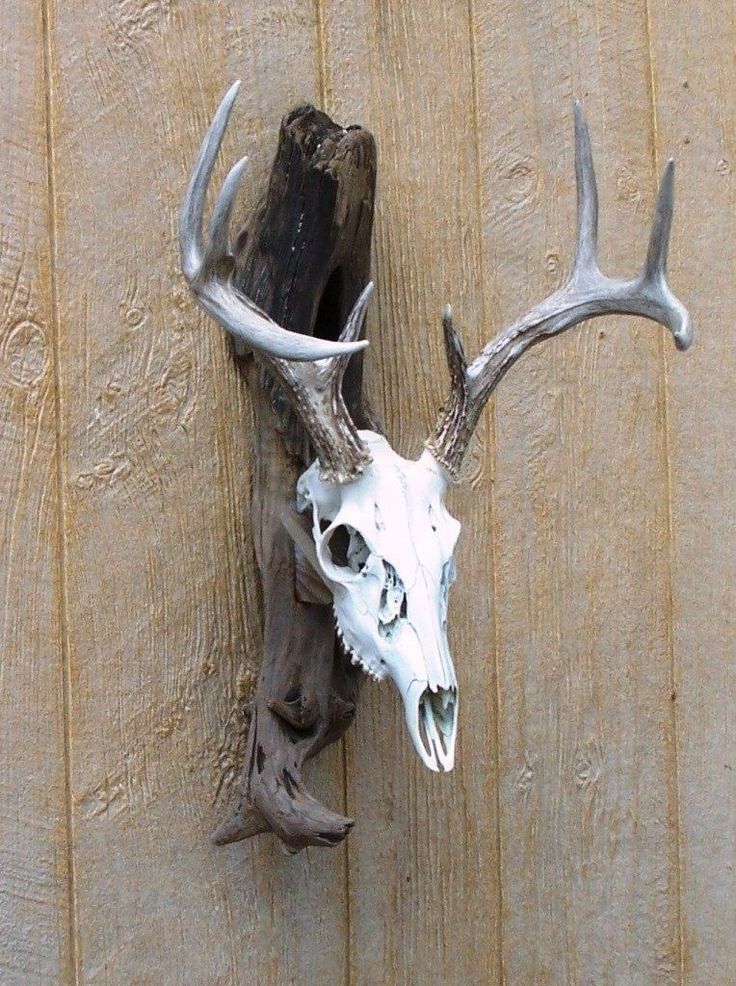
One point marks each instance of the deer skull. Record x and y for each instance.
(384, 547)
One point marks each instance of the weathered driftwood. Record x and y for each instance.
(303, 259)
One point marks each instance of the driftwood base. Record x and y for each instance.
(304, 260)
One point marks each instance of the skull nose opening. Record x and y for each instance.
(437, 717)
(392, 608)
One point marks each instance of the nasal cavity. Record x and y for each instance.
(392, 608)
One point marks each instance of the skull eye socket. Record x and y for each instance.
(346, 548)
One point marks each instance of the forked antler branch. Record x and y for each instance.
(309, 369)
(586, 294)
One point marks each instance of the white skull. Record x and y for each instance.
(384, 546)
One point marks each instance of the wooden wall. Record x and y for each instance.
(588, 834)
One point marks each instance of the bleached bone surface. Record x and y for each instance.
(384, 545)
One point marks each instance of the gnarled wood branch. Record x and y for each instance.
(304, 260)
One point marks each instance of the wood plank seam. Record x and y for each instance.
(670, 623)
(484, 308)
(46, 17)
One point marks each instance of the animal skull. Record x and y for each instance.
(384, 547)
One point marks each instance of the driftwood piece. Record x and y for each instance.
(304, 260)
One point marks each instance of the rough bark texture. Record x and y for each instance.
(304, 259)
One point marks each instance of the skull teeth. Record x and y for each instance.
(371, 668)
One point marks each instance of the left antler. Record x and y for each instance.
(309, 369)
(586, 294)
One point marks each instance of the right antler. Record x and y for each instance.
(586, 294)
(309, 369)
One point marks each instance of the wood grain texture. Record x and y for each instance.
(163, 609)
(34, 918)
(587, 834)
(694, 76)
(433, 914)
(586, 742)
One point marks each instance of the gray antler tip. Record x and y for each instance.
(586, 251)
(242, 825)
(683, 334)
(665, 196)
(236, 171)
(453, 346)
(580, 125)
(229, 98)
(219, 241)
(656, 259)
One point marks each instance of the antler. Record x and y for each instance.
(309, 369)
(586, 294)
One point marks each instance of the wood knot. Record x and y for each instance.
(26, 354)
(519, 180)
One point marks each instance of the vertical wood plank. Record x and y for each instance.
(587, 771)
(694, 76)
(163, 605)
(423, 885)
(34, 929)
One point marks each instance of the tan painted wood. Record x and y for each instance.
(34, 919)
(695, 97)
(162, 599)
(423, 880)
(587, 834)
(586, 743)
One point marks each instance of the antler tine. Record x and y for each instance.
(219, 240)
(192, 208)
(315, 390)
(209, 270)
(586, 249)
(655, 264)
(587, 294)
(670, 310)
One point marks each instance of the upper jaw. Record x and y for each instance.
(431, 718)
(430, 700)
